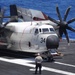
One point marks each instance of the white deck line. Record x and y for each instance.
(26, 62)
(64, 64)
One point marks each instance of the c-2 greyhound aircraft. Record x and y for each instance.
(34, 34)
(28, 36)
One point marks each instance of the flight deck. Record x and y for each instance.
(14, 63)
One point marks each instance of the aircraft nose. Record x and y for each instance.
(52, 42)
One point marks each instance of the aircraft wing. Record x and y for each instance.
(31, 14)
(34, 15)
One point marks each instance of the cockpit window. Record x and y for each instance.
(51, 29)
(36, 31)
(45, 30)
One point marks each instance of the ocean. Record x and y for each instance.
(48, 7)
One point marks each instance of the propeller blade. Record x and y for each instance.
(6, 23)
(66, 13)
(69, 28)
(60, 33)
(66, 34)
(2, 11)
(70, 21)
(53, 20)
(0, 17)
(2, 28)
(58, 13)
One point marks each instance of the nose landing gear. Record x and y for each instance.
(49, 55)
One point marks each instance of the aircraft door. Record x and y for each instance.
(36, 35)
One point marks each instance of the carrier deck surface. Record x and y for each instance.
(17, 64)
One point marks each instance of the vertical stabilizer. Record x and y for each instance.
(13, 13)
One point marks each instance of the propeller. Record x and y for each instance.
(2, 26)
(2, 11)
(62, 24)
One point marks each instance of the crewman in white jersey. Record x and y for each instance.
(38, 62)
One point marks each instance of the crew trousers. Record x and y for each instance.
(38, 65)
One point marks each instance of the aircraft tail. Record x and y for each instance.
(13, 13)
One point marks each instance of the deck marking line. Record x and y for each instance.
(24, 63)
(65, 64)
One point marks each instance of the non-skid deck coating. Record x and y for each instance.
(12, 63)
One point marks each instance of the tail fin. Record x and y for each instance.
(13, 13)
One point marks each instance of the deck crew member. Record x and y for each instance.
(38, 62)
